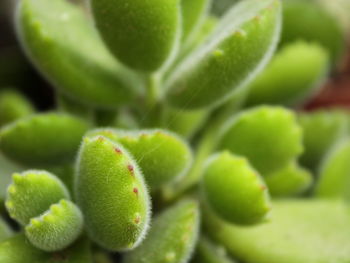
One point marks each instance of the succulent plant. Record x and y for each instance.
(176, 136)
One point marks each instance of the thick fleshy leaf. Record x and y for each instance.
(230, 57)
(209, 252)
(63, 44)
(43, 139)
(299, 231)
(141, 34)
(19, 250)
(172, 237)
(334, 175)
(112, 195)
(5, 231)
(288, 181)
(321, 130)
(193, 15)
(31, 194)
(162, 156)
(57, 228)
(234, 190)
(13, 106)
(309, 21)
(269, 137)
(295, 73)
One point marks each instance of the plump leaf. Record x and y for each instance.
(294, 74)
(62, 43)
(172, 237)
(7, 168)
(31, 194)
(57, 228)
(5, 231)
(19, 250)
(321, 130)
(334, 175)
(299, 231)
(13, 106)
(288, 181)
(269, 137)
(185, 123)
(209, 252)
(162, 156)
(193, 15)
(241, 44)
(309, 21)
(112, 195)
(43, 139)
(234, 190)
(141, 34)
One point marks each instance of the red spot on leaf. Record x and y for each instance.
(117, 150)
(136, 191)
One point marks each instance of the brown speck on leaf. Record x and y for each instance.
(117, 150)
(136, 191)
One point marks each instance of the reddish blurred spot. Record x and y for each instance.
(336, 91)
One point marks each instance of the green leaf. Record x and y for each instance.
(209, 252)
(57, 228)
(321, 129)
(7, 168)
(307, 20)
(13, 106)
(299, 231)
(288, 181)
(185, 123)
(194, 13)
(43, 139)
(112, 195)
(144, 35)
(64, 46)
(5, 231)
(234, 190)
(230, 57)
(334, 175)
(31, 194)
(172, 237)
(19, 250)
(162, 156)
(269, 137)
(294, 74)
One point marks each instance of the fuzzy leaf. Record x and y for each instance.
(19, 250)
(208, 252)
(43, 139)
(193, 15)
(172, 237)
(60, 40)
(57, 228)
(241, 44)
(5, 231)
(13, 106)
(185, 123)
(112, 195)
(299, 231)
(162, 156)
(307, 20)
(334, 176)
(31, 194)
(294, 74)
(7, 168)
(141, 34)
(321, 129)
(234, 190)
(268, 136)
(288, 181)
